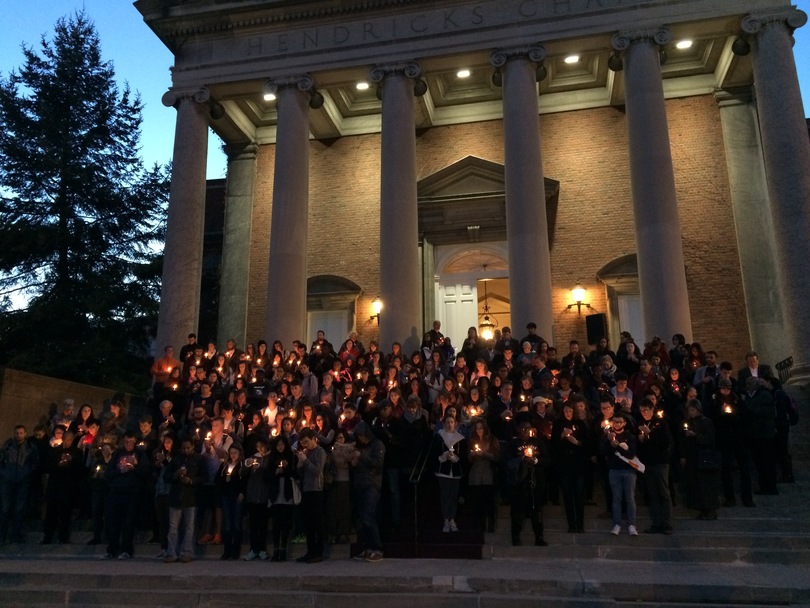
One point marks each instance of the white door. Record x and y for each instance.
(334, 324)
(629, 306)
(458, 310)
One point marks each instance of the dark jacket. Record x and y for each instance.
(655, 447)
(18, 461)
(184, 474)
(368, 467)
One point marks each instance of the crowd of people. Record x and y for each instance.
(325, 442)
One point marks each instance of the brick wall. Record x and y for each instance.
(587, 152)
(26, 397)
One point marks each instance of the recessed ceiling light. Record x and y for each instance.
(683, 44)
(269, 96)
(463, 73)
(571, 59)
(361, 86)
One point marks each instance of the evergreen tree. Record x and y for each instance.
(78, 213)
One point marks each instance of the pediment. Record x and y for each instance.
(469, 176)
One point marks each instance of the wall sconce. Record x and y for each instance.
(376, 306)
(578, 295)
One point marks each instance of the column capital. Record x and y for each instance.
(622, 40)
(533, 52)
(302, 82)
(411, 69)
(754, 22)
(172, 96)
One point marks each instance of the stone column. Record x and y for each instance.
(526, 223)
(400, 285)
(235, 269)
(786, 150)
(661, 272)
(287, 276)
(754, 228)
(183, 251)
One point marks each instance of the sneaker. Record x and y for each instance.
(186, 559)
(123, 556)
(204, 539)
(94, 541)
(315, 559)
(251, 556)
(453, 526)
(263, 555)
(616, 529)
(446, 527)
(540, 543)
(217, 540)
(169, 559)
(162, 554)
(363, 556)
(632, 531)
(108, 556)
(374, 556)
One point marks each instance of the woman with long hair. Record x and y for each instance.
(231, 486)
(449, 455)
(484, 456)
(281, 477)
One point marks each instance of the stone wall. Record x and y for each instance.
(586, 151)
(26, 398)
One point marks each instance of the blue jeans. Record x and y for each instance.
(623, 486)
(188, 515)
(367, 500)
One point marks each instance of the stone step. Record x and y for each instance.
(517, 584)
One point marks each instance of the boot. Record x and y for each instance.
(282, 555)
(276, 555)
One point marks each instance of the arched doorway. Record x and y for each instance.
(623, 297)
(460, 273)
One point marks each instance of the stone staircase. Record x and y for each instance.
(748, 557)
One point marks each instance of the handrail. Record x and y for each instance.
(783, 369)
(415, 479)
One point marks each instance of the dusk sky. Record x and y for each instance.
(142, 60)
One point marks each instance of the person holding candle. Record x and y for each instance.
(231, 486)
(125, 478)
(525, 467)
(367, 460)
(184, 474)
(310, 466)
(571, 450)
(449, 453)
(484, 457)
(733, 441)
(618, 446)
(339, 492)
(760, 409)
(281, 475)
(700, 462)
(161, 369)
(257, 492)
(655, 447)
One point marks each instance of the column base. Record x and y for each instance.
(800, 376)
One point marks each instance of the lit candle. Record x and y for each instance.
(660, 413)
(727, 409)
(258, 361)
(197, 361)
(686, 425)
(208, 436)
(477, 448)
(529, 452)
(532, 432)
(358, 376)
(274, 432)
